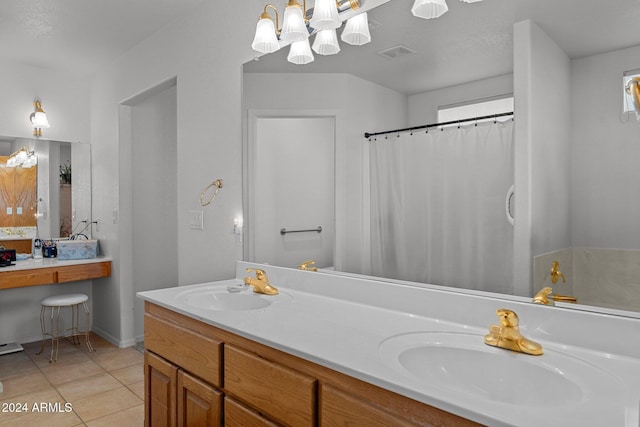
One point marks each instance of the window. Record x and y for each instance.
(478, 108)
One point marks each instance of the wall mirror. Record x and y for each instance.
(472, 42)
(55, 194)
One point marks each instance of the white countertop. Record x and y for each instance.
(29, 264)
(340, 322)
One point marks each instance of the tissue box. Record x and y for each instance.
(77, 249)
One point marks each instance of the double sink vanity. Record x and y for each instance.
(332, 349)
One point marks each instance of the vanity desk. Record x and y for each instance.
(47, 271)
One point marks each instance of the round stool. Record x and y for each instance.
(55, 303)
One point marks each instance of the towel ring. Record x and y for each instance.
(218, 184)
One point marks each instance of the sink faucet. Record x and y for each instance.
(260, 283)
(307, 266)
(507, 335)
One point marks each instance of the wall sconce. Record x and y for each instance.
(632, 95)
(38, 119)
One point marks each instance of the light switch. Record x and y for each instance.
(19, 210)
(9, 210)
(196, 220)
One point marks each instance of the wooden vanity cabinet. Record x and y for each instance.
(200, 375)
(239, 415)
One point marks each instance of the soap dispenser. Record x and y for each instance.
(37, 249)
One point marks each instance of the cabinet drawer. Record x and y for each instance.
(38, 276)
(87, 271)
(238, 415)
(338, 408)
(280, 393)
(193, 352)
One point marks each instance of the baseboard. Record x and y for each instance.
(113, 340)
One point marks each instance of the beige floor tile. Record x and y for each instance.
(123, 358)
(129, 417)
(100, 345)
(67, 357)
(16, 367)
(44, 419)
(89, 386)
(17, 385)
(59, 374)
(130, 374)
(106, 403)
(137, 388)
(20, 407)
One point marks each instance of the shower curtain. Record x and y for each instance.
(438, 206)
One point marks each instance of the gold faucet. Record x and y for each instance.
(307, 266)
(260, 283)
(507, 335)
(556, 273)
(542, 297)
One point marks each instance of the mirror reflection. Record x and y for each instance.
(45, 190)
(576, 183)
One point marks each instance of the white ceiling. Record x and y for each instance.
(80, 36)
(471, 41)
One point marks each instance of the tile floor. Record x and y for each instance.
(104, 388)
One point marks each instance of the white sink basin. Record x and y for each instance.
(227, 298)
(462, 363)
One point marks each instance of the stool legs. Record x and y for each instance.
(55, 329)
(86, 327)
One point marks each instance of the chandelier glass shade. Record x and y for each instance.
(356, 31)
(326, 43)
(429, 9)
(294, 28)
(265, 40)
(300, 53)
(325, 15)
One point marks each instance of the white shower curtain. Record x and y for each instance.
(438, 206)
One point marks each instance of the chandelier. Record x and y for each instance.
(299, 24)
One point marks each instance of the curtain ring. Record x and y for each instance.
(218, 184)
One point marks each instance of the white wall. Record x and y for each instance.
(361, 106)
(203, 51)
(423, 107)
(542, 151)
(154, 189)
(605, 202)
(65, 98)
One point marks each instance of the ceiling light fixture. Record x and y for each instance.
(299, 23)
(38, 119)
(294, 27)
(326, 43)
(356, 31)
(428, 9)
(24, 158)
(300, 53)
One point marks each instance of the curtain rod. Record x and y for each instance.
(453, 122)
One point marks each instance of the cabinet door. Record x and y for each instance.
(160, 382)
(238, 415)
(199, 404)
